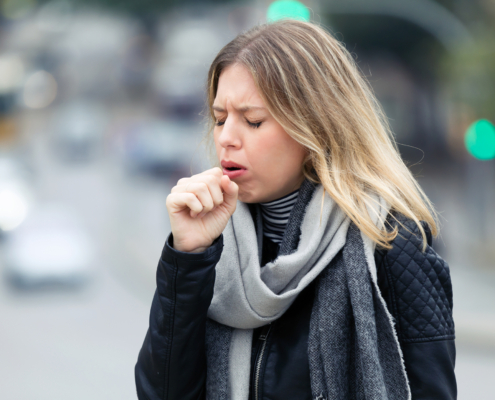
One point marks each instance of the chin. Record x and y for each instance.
(244, 199)
(247, 197)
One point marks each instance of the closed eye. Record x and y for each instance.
(251, 124)
(254, 124)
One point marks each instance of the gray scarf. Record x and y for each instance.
(353, 350)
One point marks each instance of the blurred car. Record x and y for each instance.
(50, 247)
(159, 147)
(78, 129)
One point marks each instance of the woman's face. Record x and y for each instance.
(247, 134)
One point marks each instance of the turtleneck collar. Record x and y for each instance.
(275, 215)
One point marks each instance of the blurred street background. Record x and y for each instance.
(102, 111)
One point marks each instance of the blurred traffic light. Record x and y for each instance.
(287, 9)
(480, 140)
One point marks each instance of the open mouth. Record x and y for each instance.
(234, 172)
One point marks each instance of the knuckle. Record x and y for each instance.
(207, 178)
(189, 187)
(212, 179)
(190, 196)
(170, 199)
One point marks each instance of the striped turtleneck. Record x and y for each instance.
(275, 216)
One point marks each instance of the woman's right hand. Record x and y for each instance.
(199, 208)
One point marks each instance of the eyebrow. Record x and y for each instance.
(242, 109)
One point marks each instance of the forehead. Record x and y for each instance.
(236, 85)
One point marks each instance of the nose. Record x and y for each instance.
(229, 134)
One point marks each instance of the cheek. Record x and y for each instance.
(277, 152)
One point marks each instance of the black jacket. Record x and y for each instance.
(416, 287)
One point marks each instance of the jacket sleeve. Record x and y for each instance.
(418, 291)
(172, 362)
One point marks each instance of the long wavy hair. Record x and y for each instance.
(313, 88)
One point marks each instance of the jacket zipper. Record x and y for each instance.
(263, 336)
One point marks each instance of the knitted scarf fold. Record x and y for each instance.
(353, 350)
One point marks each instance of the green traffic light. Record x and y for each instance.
(287, 9)
(480, 140)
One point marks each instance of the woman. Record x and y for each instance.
(301, 266)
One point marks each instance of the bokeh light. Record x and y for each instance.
(40, 90)
(13, 208)
(11, 72)
(480, 140)
(287, 9)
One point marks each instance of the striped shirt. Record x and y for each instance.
(275, 215)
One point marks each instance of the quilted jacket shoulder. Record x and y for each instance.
(416, 285)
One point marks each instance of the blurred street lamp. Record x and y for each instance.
(480, 143)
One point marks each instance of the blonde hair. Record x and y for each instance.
(313, 88)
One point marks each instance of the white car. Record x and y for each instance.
(50, 246)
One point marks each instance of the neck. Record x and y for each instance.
(276, 214)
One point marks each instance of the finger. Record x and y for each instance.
(176, 202)
(211, 180)
(182, 181)
(202, 192)
(215, 188)
(216, 171)
(231, 192)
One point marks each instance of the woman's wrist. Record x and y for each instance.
(197, 250)
(185, 249)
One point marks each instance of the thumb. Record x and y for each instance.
(230, 192)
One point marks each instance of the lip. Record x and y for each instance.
(233, 174)
(231, 164)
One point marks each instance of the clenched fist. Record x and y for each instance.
(199, 208)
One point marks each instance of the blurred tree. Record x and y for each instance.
(469, 71)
